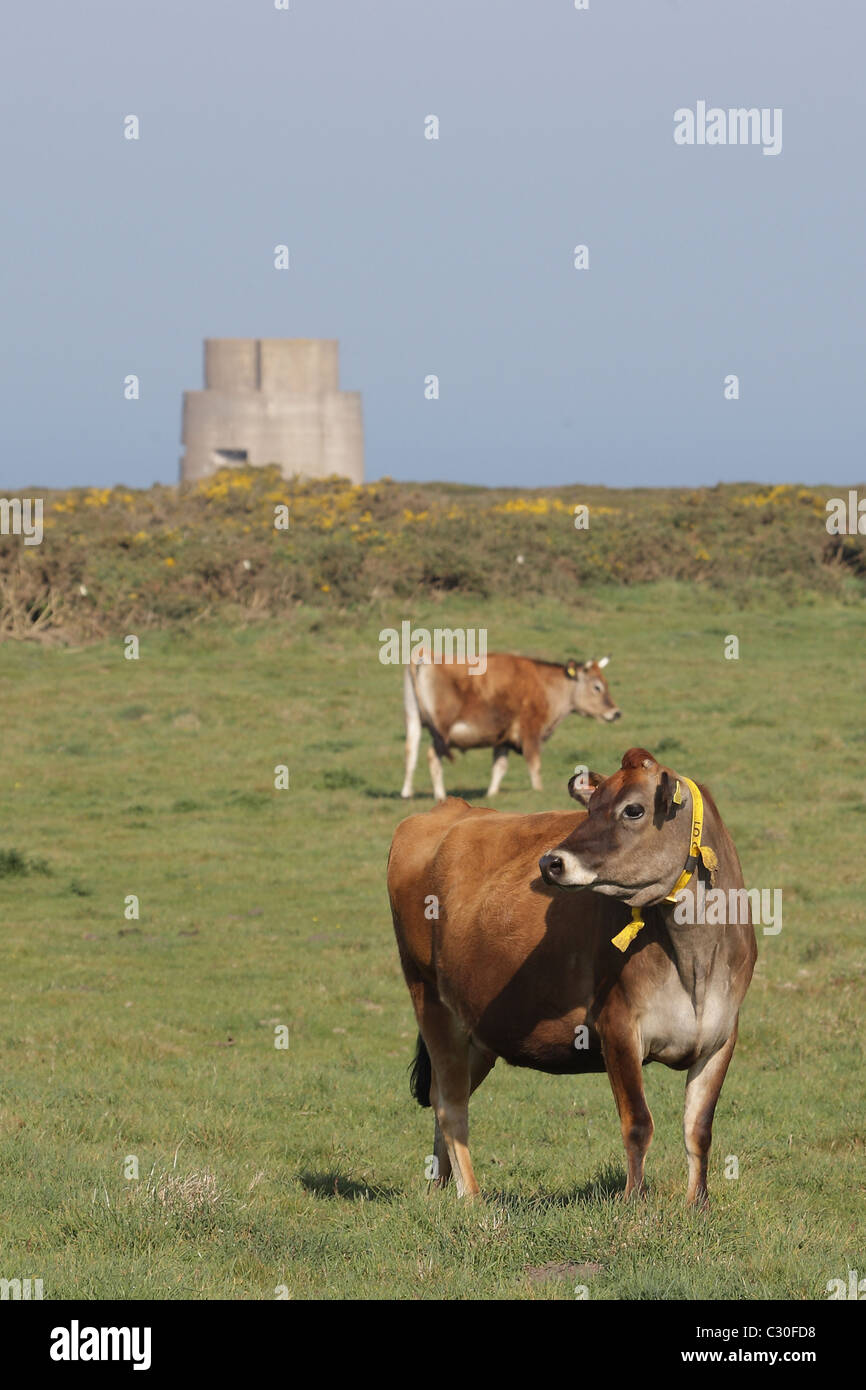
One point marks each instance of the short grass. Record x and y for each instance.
(261, 1168)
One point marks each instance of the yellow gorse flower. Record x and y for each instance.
(98, 497)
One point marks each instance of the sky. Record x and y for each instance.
(452, 257)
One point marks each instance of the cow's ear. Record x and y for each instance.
(583, 784)
(571, 669)
(668, 795)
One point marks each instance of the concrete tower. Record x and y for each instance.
(272, 400)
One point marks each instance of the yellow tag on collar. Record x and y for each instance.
(711, 862)
(623, 939)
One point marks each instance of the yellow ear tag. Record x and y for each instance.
(623, 939)
(678, 796)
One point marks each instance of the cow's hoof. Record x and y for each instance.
(700, 1204)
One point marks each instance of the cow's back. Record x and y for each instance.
(472, 709)
(413, 849)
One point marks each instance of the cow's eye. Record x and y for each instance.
(597, 687)
(633, 811)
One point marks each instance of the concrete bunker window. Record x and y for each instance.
(230, 455)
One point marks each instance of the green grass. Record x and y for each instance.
(261, 1167)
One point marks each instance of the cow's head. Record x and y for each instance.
(635, 840)
(589, 690)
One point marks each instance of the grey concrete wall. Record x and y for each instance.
(343, 435)
(231, 364)
(309, 365)
(289, 432)
(216, 420)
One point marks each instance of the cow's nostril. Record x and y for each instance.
(550, 866)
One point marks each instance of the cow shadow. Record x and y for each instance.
(333, 1185)
(422, 801)
(609, 1182)
(551, 959)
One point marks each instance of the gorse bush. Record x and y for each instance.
(113, 560)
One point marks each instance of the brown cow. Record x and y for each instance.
(501, 962)
(515, 705)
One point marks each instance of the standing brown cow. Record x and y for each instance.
(514, 705)
(502, 962)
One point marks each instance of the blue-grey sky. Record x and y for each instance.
(454, 256)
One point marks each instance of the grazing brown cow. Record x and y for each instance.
(514, 705)
(502, 962)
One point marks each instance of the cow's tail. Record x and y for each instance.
(421, 1074)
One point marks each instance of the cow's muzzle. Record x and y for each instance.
(551, 867)
(562, 869)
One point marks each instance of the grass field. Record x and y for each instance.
(302, 1168)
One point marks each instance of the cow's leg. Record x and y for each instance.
(480, 1063)
(623, 1062)
(449, 1046)
(425, 1002)
(413, 732)
(702, 1091)
(435, 763)
(500, 767)
(440, 1150)
(532, 754)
